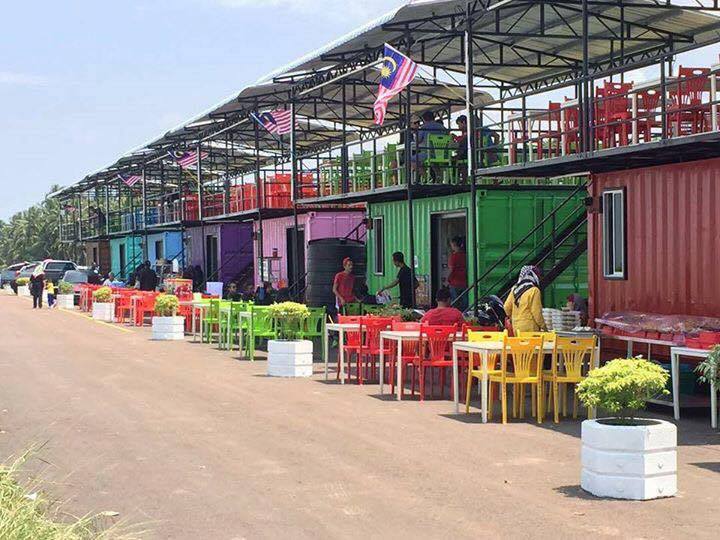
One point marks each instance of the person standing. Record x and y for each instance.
(457, 278)
(524, 303)
(50, 289)
(148, 278)
(37, 286)
(344, 284)
(404, 281)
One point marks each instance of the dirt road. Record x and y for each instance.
(200, 445)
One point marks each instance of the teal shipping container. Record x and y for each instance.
(504, 218)
(125, 255)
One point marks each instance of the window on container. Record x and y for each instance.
(379, 252)
(614, 264)
(159, 250)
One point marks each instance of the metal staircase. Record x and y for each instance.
(557, 249)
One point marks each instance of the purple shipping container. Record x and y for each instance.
(313, 226)
(228, 251)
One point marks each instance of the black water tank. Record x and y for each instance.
(324, 260)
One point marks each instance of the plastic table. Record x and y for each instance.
(340, 328)
(675, 354)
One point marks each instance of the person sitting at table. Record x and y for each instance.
(443, 314)
(232, 293)
(265, 294)
(460, 139)
(430, 126)
(524, 303)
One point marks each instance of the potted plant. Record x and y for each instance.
(166, 325)
(626, 457)
(289, 355)
(23, 286)
(66, 295)
(709, 373)
(103, 308)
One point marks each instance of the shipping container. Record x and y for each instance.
(278, 234)
(654, 238)
(125, 255)
(504, 217)
(166, 245)
(227, 250)
(98, 252)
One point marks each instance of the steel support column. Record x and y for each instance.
(259, 189)
(198, 162)
(471, 155)
(293, 192)
(107, 208)
(409, 182)
(145, 249)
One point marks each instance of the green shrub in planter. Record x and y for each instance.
(103, 295)
(623, 386)
(709, 369)
(65, 288)
(22, 281)
(394, 310)
(289, 317)
(166, 305)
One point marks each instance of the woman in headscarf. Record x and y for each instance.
(37, 285)
(524, 303)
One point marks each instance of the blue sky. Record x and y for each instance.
(83, 81)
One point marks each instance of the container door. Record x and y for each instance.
(123, 260)
(300, 258)
(443, 228)
(211, 257)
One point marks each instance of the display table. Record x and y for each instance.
(675, 354)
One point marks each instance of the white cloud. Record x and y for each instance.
(21, 79)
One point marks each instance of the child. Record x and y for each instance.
(50, 288)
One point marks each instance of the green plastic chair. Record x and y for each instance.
(263, 326)
(440, 156)
(354, 308)
(210, 320)
(315, 324)
(361, 169)
(235, 308)
(391, 176)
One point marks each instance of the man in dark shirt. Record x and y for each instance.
(404, 280)
(148, 278)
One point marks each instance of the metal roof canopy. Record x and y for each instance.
(523, 45)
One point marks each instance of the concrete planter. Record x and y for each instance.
(290, 358)
(629, 462)
(65, 301)
(168, 328)
(23, 290)
(103, 312)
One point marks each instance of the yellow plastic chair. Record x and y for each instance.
(548, 337)
(572, 359)
(525, 368)
(479, 336)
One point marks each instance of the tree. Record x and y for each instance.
(34, 234)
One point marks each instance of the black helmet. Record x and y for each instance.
(491, 311)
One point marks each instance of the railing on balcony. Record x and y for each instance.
(621, 115)
(68, 231)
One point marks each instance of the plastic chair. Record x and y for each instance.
(435, 347)
(144, 307)
(234, 327)
(525, 368)
(211, 320)
(572, 359)
(551, 134)
(686, 113)
(648, 101)
(571, 128)
(123, 305)
(315, 324)
(472, 373)
(264, 325)
(353, 308)
(369, 352)
(352, 342)
(548, 337)
(439, 155)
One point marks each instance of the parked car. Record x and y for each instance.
(75, 278)
(25, 272)
(54, 270)
(8, 274)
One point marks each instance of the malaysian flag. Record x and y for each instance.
(397, 72)
(131, 180)
(187, 159)
(277, 122)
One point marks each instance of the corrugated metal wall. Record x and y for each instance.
(133, 254)
(194, 243)
(316, 225)
(504, 217)
(672, 241)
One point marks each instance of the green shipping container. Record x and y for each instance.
(125, 255)
(504, 218)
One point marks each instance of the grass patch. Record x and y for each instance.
(26, 513)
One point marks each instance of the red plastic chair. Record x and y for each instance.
(552, 134)
(144, 307)
(687, 113)
(123, 305)
(571, 128)
(409, 350)
(435, 350)
(369, 353)
(613, 116)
